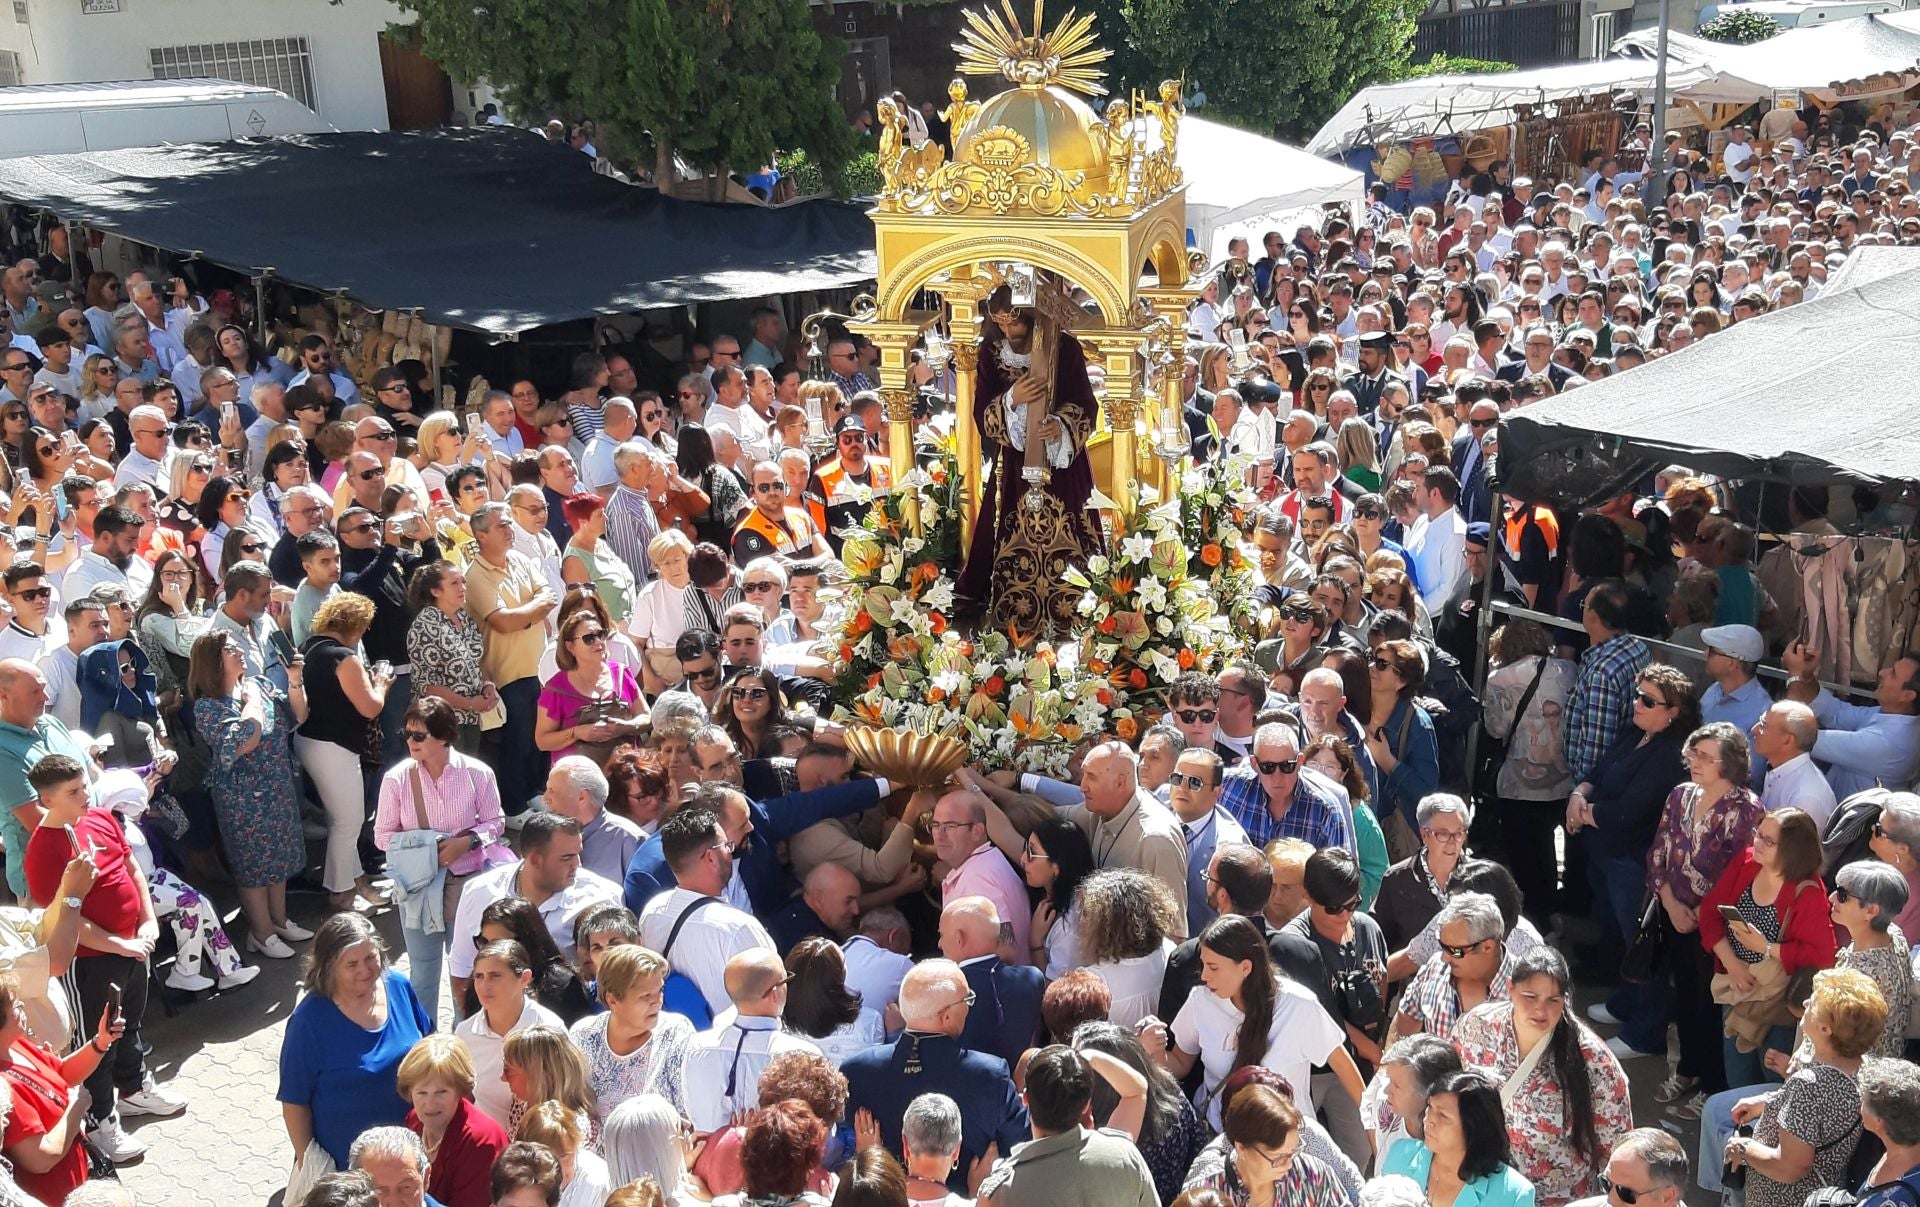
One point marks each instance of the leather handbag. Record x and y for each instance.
(1642, 961)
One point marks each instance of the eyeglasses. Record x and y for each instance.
(1452, 838)
(1628, 1194)
(968, 1000)
(1196, 716)
(1278, 766)
(749, 693)
(704, 674)
(357, 530)
(1196, 782)
(1841, 896)
(255, 547)
(417, 735)
(1647, 700)
(42, 594)
(758, 587)
(948, 827)
(380, 437)
(1460, 953)
(1381, 664)
(1347, 908)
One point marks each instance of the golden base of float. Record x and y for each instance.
(907, 759)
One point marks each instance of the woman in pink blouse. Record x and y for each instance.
(1565, 1093)
(1705, 824)
(456, 797)
(591, 701)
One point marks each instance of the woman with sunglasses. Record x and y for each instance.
(748, 708)
(44, 461)
(1566, 1099)
(187, 477)
(245, 725)
(1303, 315)
(1401, 739)
(222, 511)
(339, 734)
(1243, 1014)
(655, 426)
(14, 423)
(589, 700)
(1425, 240)
(1056, 858)
(456, 800)
(283, 467)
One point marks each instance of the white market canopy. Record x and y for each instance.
(1812, 58)
(1446, 105)
(1234, 178)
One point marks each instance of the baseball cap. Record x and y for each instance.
(1741, 641)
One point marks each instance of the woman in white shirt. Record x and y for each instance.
(1057, 858)
(502, 975)
(660, 610)
(1125, 917)
(1242, 1014)
(821, 1008)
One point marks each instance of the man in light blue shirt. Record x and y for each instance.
(1735, 696)
(1862, 746)
(1195, 796)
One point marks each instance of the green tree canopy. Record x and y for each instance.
(719, 83)
(1268, 68)
(1739, 26)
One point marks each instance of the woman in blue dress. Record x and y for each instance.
(245, 724)
(1463, 1157)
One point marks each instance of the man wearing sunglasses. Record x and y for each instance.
(1271, 799)
(1195, 800)
(1647, 1168)
(31, 632)
(772, 526)
(840, 478)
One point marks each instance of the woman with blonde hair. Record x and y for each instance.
(633, 1046)
(1359, 447)
(98, 376)
(344, 701)
(583, 1175)
(462, 1141)
(540, 1064)
(660, 610)
(1125, 932)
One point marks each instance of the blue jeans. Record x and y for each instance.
(1716, 1124)
(1748, 1068)
(1620, 893)
(519, 757)
(393, 740)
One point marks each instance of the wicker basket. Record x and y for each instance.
(905, 758)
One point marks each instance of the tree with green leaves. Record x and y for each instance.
(1270, 69)
(1740, 27)
(720, 84)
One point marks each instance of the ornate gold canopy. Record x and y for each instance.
(1037, 178)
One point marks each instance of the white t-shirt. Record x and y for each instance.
(1303, 1035)
(1134, 983)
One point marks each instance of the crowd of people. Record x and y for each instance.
(550, 681)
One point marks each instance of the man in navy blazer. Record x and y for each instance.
(929, 1058)
(756, 828)
(1005, 1017)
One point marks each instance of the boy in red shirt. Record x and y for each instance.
(117, 933)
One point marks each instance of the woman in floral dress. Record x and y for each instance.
(1570, 1107)
(444, 646)
(246, 724)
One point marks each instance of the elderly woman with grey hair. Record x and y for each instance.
(1472, 967)
(1866, 898)
(1414, 890)
(930, 1136)
(1896, 842)
(1890, 1111)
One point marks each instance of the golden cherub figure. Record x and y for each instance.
(1118, 129)
(893, 134)
(960, 112)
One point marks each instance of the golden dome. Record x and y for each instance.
(1059, 129)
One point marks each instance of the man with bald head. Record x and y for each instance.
(364, 481)
(1322, 712)
(722, 1067)
(979, 869)
(935, 1000)
(621, 420)
(828, 906)
(1127, 824)
(1784, 736)
(970, 937)
(28, 733)
(376, 438)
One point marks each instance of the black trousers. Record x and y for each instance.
(122, 1067)
(1519, 834)
(1687, 972)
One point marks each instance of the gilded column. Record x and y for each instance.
(1123, 412)
(966, 434)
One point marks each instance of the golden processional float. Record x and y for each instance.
(1038, 179)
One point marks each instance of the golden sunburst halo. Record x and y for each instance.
(995, 44)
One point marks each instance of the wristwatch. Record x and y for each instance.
(71, 902)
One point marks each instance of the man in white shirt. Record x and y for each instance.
(877, 957)
(147, 460)
(548, 874)
(731, 413)
(167, 348)
(710, 931)
(497, 427)
(531, 538)
(59, 371)
(722, 1067)
(1784, 736)
(619, 420)
(86, 626)
(1739, 155)
(1438, 540)
(113, 557)
(269, 399)
(33, 629)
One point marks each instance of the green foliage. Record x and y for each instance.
(1271, 70)
(858, 177)
(720, 83)
(1741, 27)
(1449, 64)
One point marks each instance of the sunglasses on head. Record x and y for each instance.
(1278, 766)
(1196, 716)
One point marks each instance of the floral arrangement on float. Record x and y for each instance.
(1149, 603)
(1013, 699)
(1216, 508)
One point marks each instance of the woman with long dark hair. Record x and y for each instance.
(749, 707)
(726, 498)
(821, 1008)
(1567, 1101)
(1242, 1014)
(1058, 856)
(1464, 1151)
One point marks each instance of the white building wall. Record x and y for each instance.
(62, 43)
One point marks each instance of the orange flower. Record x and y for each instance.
(862, 622)
(869, 711)
(1108, 624)
(938, 622)
(938, 473)
(1104, 696)
(873, 680)
(903, 648)
(936, 694)
(1123, 587)
(927, 571)
(1138, 678)
(1186, 660)
(995, 686)
(1127, 728)
(846, 653)
(1097, 667)
(1210, 555)
(1070, 732)
(966, 649)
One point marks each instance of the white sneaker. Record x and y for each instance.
(119, 1147)
(187, 982)
(293, 932)
(239, 976)
(1621, 1049)
(150, 1099)
(1599, 1013)
(272, 947)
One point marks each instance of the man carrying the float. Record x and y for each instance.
(1033, 401)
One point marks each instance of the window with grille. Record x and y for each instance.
(9, 69)
(280, 63)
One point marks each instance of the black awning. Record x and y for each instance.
(496, 230)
